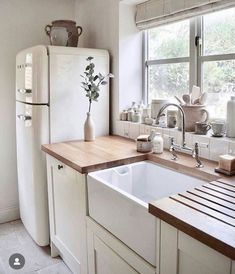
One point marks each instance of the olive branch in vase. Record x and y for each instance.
(91, 82)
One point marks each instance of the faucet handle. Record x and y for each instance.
(172, 140)
(195, 152)
(172, 150)
(195, 155)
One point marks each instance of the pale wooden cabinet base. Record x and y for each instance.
(108, 255)
(67, 214)
(181, 254)
(88, 248)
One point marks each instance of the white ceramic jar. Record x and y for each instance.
(157, 144)
(230, 132)
(130, 114)
(124, 115)
(136, 117)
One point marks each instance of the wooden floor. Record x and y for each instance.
(15, 239)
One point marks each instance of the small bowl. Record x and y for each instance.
(149, 121)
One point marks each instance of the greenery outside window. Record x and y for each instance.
(199, 51)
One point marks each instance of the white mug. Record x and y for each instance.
(218, 128)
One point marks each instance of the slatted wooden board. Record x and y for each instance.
(213, 206)
(206, 213)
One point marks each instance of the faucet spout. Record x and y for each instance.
(182, 115)
(182, 148)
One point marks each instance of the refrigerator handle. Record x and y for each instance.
(24, 90)
(23, 117)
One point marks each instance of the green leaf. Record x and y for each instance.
(101, 77)
(90, 58)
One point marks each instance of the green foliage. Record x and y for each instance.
(91, 82)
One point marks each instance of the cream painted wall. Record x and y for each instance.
(130, 58)
(100, 22)
(21, 25)
(110, 24)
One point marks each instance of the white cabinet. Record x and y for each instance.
(181, 254)
(67, 214)
(108, 255)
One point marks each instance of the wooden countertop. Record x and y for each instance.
(104, 152)
(206, 213)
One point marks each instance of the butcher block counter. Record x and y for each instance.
(206, 213)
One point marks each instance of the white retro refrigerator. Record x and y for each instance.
(51, 107)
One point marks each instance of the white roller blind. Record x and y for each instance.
(158, 12)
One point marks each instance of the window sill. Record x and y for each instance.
(210, 147)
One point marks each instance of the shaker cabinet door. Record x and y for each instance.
(107, 261)
(181, 254)
(108, 255)
(67, 211)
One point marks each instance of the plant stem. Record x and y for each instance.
(89, 106)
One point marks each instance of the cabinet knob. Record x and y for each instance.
(60, 167)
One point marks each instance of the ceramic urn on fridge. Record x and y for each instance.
(63, 33)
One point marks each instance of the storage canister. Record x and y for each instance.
(230, 132)
(144, 144)
(172, 118)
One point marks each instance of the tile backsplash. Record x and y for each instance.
(209, 147)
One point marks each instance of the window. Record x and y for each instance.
(168, 62)
(175, 63)
(217, 60)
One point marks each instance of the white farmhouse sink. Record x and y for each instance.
(118, 200)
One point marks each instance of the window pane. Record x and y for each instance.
(219, 32)
(219, 82)
(168, 80)
(169, 41)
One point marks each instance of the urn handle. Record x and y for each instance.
(79, 30)
(48, 29)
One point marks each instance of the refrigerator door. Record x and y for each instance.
(32, 126)
(68, 101)
(32, 75)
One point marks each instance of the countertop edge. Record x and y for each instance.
(91, 168)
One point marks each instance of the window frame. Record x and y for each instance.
(191, 60)
(195, 59)
(207, 58)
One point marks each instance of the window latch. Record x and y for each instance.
(198, 41)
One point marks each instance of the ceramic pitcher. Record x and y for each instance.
(193, 114)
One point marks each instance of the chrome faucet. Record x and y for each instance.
(181, 148)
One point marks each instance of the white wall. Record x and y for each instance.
(110, 25)
(22, 25)
(130, 57)
(100, 22)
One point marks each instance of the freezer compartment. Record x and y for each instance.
(32, 127)
(32, 75)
